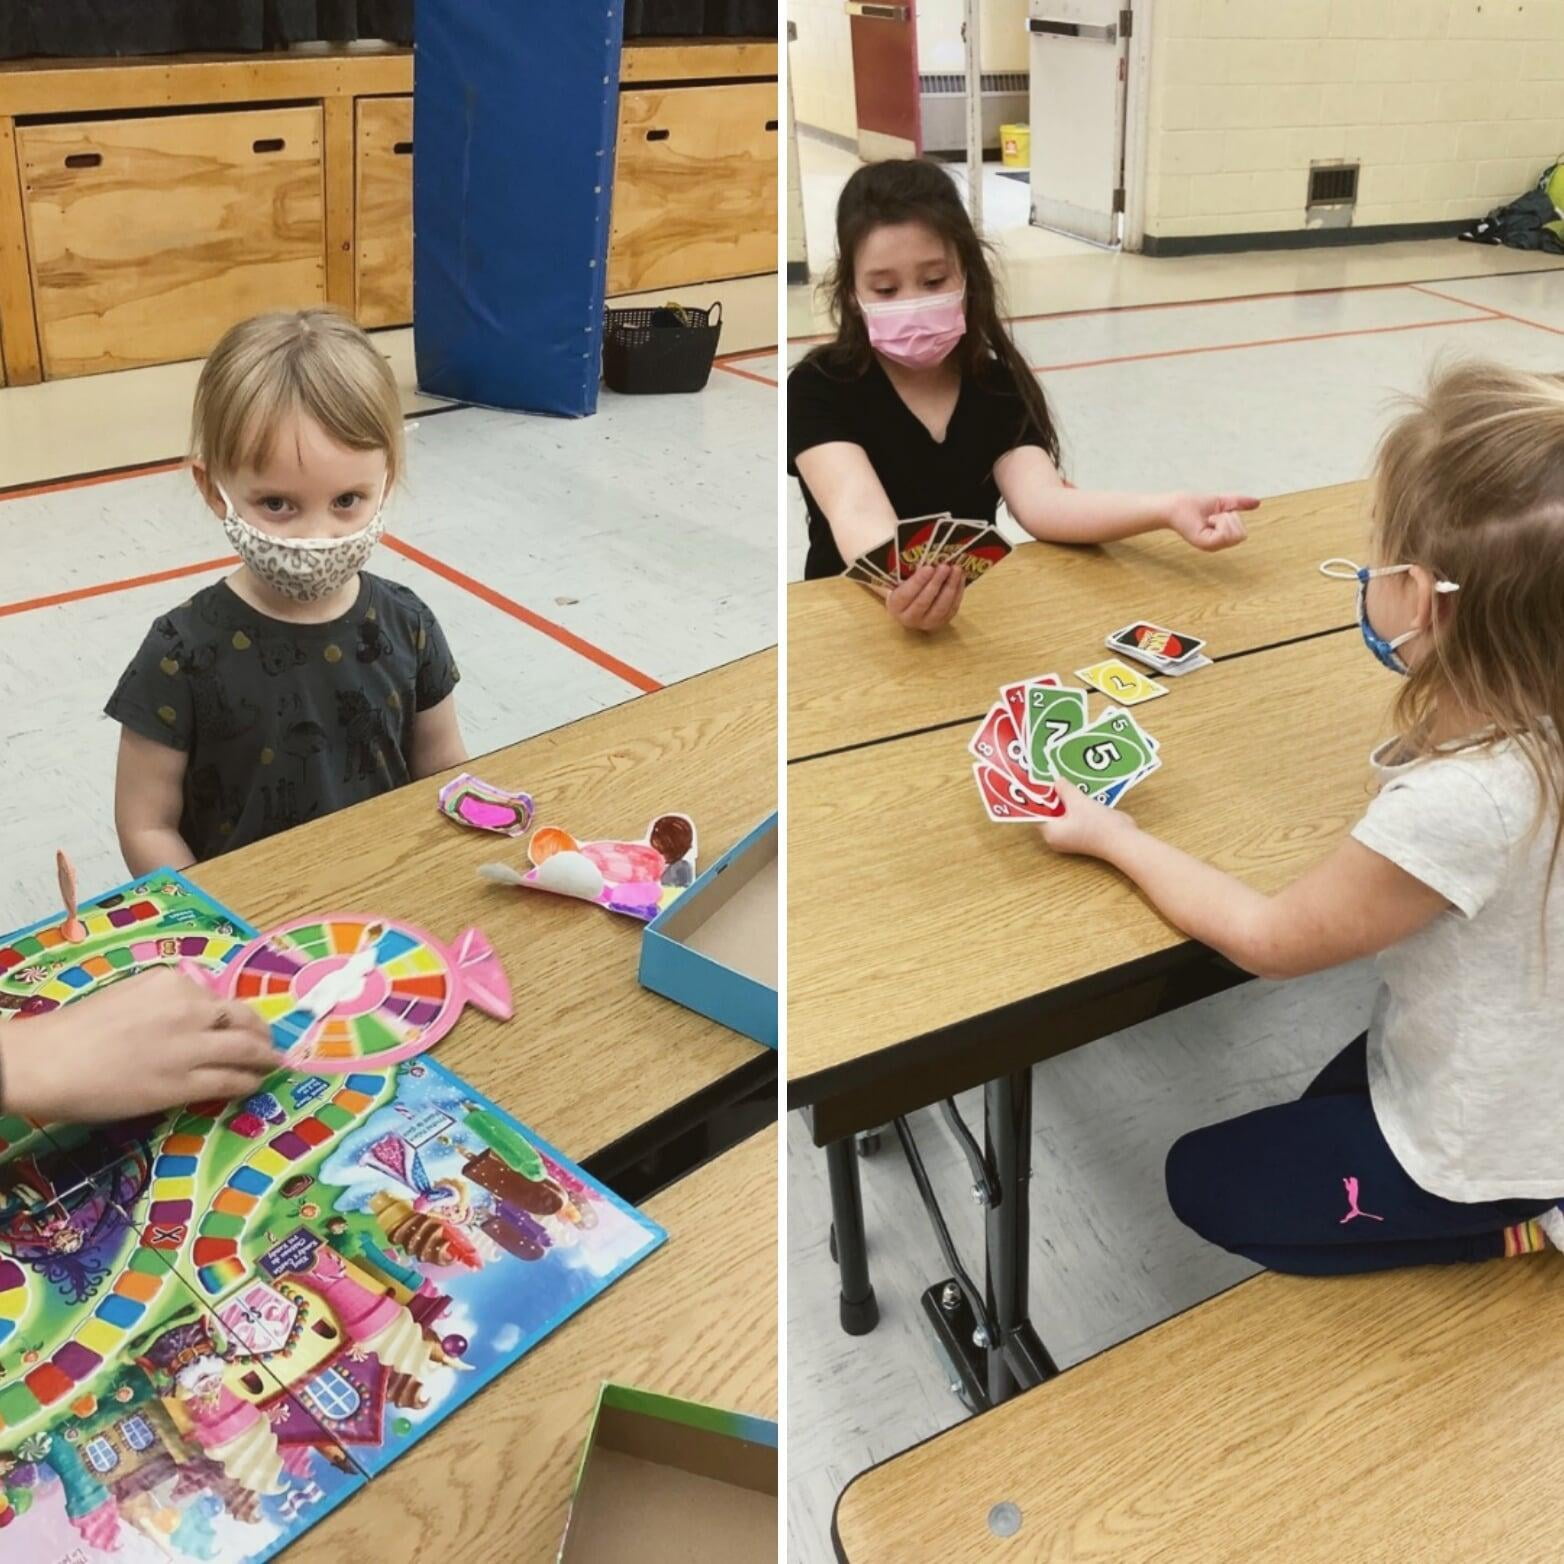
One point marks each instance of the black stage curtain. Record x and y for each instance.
(97, 28)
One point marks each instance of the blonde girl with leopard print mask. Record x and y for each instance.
(301, 683)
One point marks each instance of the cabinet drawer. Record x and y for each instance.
(148, 238)
(695, 186)
(383, 240)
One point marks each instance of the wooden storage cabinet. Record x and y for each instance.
(148, 237)
(695, 186)
(383, 218)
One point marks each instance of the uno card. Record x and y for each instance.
(958, 537)
(882, 558)
(1007, 802)
(1053, 713)
(1095, 759)
(913, 539)
(998, 744)
(1014, 696)
(1119, 682)
(862, 570)
(983, 553)
(1154, 645)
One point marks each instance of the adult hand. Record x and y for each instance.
(148, 1043)
(1086, 828)
(929, 598)
(1209, 521)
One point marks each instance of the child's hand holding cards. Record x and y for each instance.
(1038, 737)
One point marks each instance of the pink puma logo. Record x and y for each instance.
(1351, 1185)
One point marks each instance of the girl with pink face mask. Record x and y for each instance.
(922, 403)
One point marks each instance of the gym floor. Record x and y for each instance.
(1263, 373)
(574, 564)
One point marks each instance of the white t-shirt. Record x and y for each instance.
(1466, 1046)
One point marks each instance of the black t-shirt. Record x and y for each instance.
(919, 474)
(284, 722)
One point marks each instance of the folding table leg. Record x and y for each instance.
(860, 1313)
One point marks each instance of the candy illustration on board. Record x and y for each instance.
(344, 992)
(471, 801)
(637, 879)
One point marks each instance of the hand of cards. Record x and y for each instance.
(930, 540)
(1039, 737)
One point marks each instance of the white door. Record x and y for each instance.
(1079, 62)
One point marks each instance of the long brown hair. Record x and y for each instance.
(915, 190)
(1470, 485)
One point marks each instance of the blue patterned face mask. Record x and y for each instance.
(1383, 650)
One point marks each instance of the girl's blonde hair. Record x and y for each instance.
(316, 363)
(1470, 485)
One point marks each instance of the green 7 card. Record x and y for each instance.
(1113, 749)
(1051, 715)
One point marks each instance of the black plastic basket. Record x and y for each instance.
(665, 349)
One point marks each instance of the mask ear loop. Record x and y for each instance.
(1347, 571)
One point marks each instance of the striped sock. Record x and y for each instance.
(1524, 1238)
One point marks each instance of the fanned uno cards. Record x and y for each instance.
(1040, 736)
(1162, 650)
(930, 540)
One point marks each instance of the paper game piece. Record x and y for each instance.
(471, 801)
(637, 879)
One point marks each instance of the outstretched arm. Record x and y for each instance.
(1054, 512)
(1353, 903)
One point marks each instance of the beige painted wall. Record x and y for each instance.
(1451, 107)
(820, 61)
(940, 46)
(822, 58)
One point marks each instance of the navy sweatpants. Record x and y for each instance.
(1312, 1187)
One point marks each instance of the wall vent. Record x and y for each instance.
(1333, 184)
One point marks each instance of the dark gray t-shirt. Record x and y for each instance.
(284, 722)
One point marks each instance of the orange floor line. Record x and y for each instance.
(506, 605)
(748, 374)
(1263, 342)
(1494, 311)
(104, 588)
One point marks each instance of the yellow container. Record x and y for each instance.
(1015, 146)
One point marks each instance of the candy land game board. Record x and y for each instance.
(218, 1324)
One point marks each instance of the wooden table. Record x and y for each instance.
(697, 1320)
(891, 860)
(930, 950)
(855, 677)
(1382, 1417)
(598, 1065)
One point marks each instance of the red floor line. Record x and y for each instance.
(1264, 342)
(748, 374)
(506, 605)
(106, 587)
(1243, 298)
(734, 358)
(88, 480)
(1493, 310)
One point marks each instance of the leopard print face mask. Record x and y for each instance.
(304, 569)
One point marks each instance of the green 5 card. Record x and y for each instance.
(1113, 749)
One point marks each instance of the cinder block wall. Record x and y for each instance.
(1451, 107)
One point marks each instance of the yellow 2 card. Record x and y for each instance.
(1129, 686)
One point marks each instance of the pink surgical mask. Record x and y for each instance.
(918, 332)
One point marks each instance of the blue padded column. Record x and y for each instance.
(515, 114)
